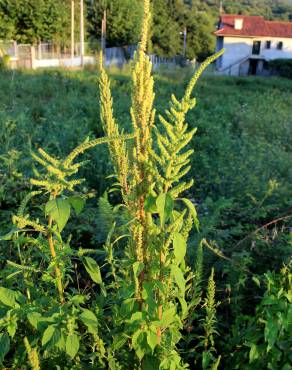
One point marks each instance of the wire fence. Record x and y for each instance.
(51, 54)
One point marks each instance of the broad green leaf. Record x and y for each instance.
(61, 342)
(4, 345)
(72, 345)
(271, 331)
(253, 353)
(93, 269)
(164, 203)
(34, 318)
(168, 317)
(12, 326)
(137, 316)
(49, 335)
(59, 210)
(193, 211)
(77, 203)
(119, 340)
(178, 277)
(135, 338)
(138, 343)
(7, 297)
(150, 204)
(152, 338)
(179, 247)
(90, 320)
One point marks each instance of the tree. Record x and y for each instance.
(30, 21)
(123, 21)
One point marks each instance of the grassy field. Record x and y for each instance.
(241, 167)
(243, 139)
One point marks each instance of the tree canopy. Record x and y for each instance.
(29, 21)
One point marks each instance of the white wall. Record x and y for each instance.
(273, 53)
(76, 62)
(238, 48)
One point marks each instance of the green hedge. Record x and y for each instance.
(282, 67)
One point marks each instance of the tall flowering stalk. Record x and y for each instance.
(151, 175)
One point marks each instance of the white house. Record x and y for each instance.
(250, 42)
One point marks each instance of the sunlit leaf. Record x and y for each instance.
(72, 345)
(179, 247)
(59, 210)
(93, 269)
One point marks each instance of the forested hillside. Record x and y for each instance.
(29, 21)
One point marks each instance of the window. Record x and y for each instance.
(256, 48)
(280, 45)
(268, 44)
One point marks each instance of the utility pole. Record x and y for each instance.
(103, 33)
(72, 30)
(185, 41)
(81, 34)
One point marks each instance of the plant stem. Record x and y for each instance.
(54, 256)
(162, 261)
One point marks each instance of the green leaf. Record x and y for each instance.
(256, 280)
(93, 269)
(9, 235)
(35, 318)
(152, 338)
(253, 353)
(72, 345)
(137, 268)
(150, 204)
(179, 247)
(90, 320)
(50, 335)
(164, 203)
(78, 299)
(12, 326)
(150, 363)
(4, 345)
(206, 358)
(271, 331)
(77, 203)
(193, 211)
(7, 297)
(178, 277)
(59, 210)
(118, 341)
(168, 317)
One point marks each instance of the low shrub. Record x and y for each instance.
(282, 67)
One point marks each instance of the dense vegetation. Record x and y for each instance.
(242, 176)
(282, 67)
(29, 21)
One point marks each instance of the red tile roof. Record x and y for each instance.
(253, 26)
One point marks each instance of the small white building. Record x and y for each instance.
(250, 42)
